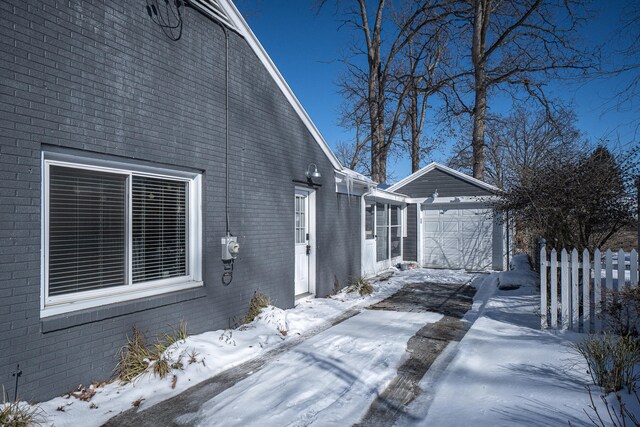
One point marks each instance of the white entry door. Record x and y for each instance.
(302, 242)
(369, 239)
(457, 238)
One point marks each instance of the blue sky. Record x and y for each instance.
(306, 47)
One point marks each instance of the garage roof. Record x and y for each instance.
(447, 170)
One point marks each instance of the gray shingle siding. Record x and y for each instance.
(100, 77)
(446, 184)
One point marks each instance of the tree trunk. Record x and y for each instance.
(478, 47)
(415, 132)
(477, 143)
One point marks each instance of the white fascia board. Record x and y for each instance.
(384, 195)
(243, 28)
(461, 199)
(446, 169)
(358, 186)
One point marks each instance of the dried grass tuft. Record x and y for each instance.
(20, 414)
(134, 357)
(360, 285)
(257, 303)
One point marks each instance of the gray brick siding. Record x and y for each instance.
(100, 78)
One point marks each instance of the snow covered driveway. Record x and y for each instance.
(328, 380)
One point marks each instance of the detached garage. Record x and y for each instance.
(455, 225)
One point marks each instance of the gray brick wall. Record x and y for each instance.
(100, 78)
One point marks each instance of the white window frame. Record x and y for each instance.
(60, 304)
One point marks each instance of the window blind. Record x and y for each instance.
(87, 226)
(159, 228)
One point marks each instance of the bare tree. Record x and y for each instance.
(517, 46)
(521, 142)
(419, 75)
(374, 84)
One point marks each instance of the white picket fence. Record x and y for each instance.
(571, 288)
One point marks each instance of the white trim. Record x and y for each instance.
(445, 169)
(361, 184)
(59, 304)
(311, 217)
(388, 196)
(419, 233)
(236, 18)
(459, 199)
(312, 242)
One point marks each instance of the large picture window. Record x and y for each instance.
(114, 234)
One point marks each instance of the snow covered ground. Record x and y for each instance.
(329, 380)
(223, 349)
(505, 371)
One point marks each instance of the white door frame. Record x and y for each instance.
(366, 244)
(311, 215)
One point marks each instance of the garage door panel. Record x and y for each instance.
(458, 238)
(431, 226)
(449, 226)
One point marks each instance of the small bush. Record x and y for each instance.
(360, 285)
(611, 360)
(161, 367)
(20, 414)
(621, 311)
(618, 414)
(257, 303)
(134, 357)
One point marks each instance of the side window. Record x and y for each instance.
(369, 214)
(114, 234)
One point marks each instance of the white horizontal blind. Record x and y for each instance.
(87, 226)
(159, 227)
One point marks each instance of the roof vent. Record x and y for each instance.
(213, 9)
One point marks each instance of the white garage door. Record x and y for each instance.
(457, 238)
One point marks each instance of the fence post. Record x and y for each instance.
(633, 269)
(543, 287)
(553, 294)
(597, 289)
(575, 291)
(608, 259)
(586, 280)
(622, 271)
(564, 291)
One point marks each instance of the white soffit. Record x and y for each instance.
(225, 11)
(446, 169)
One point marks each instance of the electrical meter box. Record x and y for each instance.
(230, 248)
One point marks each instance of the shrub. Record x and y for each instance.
(257, 303)
(360, 285)
(136, 356)
(621, 311)
(161, 367)
(20, 414)
(618, 414)
(611, 360)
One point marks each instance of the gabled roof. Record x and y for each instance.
(445, 169)
(226, 12)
